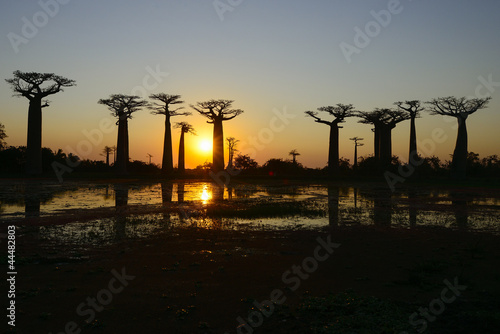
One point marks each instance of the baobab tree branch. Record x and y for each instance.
(234, 113)
(413, 107)
(316, 118)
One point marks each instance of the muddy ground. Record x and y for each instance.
(191, 280)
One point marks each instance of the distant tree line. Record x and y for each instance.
(13, 160)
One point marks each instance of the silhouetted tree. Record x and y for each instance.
(185, 128)
(384, 120)
(122, 107)
(294, 153)
(356, 144)
(340, 112)
(35, 87)
(413, 108)
(114, 153)
(106, 152)
(231, 147)
(3, 135)
(217, 111)
(164, 108)
(460, 108)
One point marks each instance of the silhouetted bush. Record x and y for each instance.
(245, 162)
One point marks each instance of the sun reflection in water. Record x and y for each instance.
(206, 195)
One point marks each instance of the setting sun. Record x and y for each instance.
(205, 145)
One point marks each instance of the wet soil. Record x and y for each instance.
(191, 280)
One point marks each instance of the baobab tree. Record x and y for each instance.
(340, 112)
(384, 120)
(231, 147)
(113, 148)
(413, 108)
(294, 153)
(36, 87)
(149, 156)
(164, 107)
(217, 111)
(356, 144)
(460, 108)
(106, 152)
(122, 107)
(3, 135)
(185, 128)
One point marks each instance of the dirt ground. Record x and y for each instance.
(191, 280)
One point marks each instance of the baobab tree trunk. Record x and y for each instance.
(333, 149)
(230, 158)
(385, 139)
(34, 141)
(376, 144)
(459, 161)
(122, 147)
(218, 147)
(126, 150)
(181, 166)
(355, 155)
(167, 164)
(413, 154)
(107, 158)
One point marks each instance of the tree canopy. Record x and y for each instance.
(339, 111)
(185, 127)
(163, 108)
(38, 85)
(217, 110)
(123, 106)
(456, 107)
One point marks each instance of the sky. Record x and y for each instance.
(275, 59)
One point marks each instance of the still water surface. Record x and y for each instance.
(106, 212)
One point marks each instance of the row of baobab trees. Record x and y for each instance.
(384, 120)
(37, 86)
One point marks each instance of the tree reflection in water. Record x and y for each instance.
(382, 207)
(460, 209)
(32, 194)
(121, 202)
(333, 206)
(166, 192)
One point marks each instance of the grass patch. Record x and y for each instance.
(265, 209)
(348, 312)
